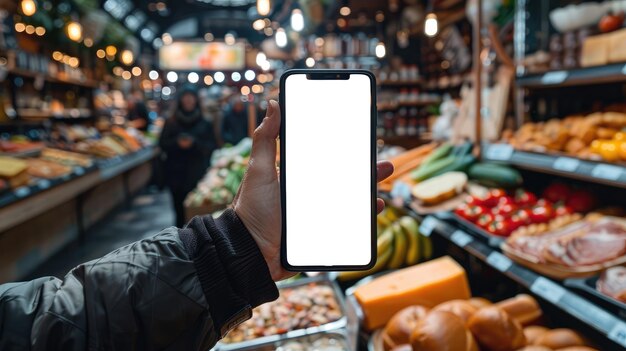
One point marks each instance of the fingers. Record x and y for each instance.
(380, 205)
(264, 140)
(384, 170)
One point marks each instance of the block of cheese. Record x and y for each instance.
(595, 51)
(617, 46)
(427, 284)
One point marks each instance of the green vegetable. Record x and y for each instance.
(437, 154)
(428, 171)
(463, 149)
(460, 164)
(495, 175)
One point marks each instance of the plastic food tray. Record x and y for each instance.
(588, 286)
(339, 335)
(492, 240)
(271, 340)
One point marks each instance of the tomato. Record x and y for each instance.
(542, 213)
(611, 22)
(473, 212)
(476, 201)
(484, 219)
(501, 228)
(561, 209)
(557, 192)
(525, 198)
(505, 210)
(522, 215)
(506, 200)
(581, 201)
(493, 197)
(516, 222)
(460, 211)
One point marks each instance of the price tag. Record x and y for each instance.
(499, 261)
(427, 226)
(401, 190)
(43, 184)
(547, 289)
(618, 333)
(500, 152)
(624, 69)
(461, 238)
(66, 177)
(566, 164)
(79, 171)
(556, 77)
(22, 191)
(607, 172)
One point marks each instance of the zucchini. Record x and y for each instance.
(495, 175)
(460, 164)
(437, 154)
(463, 149)
(428, 171)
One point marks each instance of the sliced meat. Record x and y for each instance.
(613, 283)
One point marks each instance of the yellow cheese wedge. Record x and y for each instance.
(427, 284)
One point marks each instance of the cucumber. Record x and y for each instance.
(460, 164)
(428, 171)
(437, 154)
(495, 175)
(463, 149)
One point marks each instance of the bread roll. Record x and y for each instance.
(479, 302)
(399, 328)
(533, 332)
(523, 308)
(405, 347)
(535, 348)
(577, 348)
(442, 331)
(496, 330)
(560, 338)
(460, 308)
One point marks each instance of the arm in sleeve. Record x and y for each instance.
(180, 289)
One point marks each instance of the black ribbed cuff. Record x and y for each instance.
(230, 266)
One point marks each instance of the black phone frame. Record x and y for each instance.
(328, 74)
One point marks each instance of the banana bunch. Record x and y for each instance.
(399, 244)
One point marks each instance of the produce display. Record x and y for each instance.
(404, 164)
(612, 283)
(476, 324)
(399, 244)
(220, 184)
(19, 144)
(579, 249)
(300, 307)
(522, 213)
(14, 171)
(427, 284)
(598, 136)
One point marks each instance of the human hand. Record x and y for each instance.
(185, 142)
(257, 202)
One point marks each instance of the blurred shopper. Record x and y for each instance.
(138, 114)
(188, 141)
(235, 121)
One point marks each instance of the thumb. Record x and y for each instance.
(264, 139)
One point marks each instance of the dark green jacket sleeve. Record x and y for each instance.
(177, 290)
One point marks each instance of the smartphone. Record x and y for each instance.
(328, 170)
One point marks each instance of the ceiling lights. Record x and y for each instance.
(258, 24)
(193, 77)
(380, 50)
(74, 31)
(431, 25)
(263, 7)
(250, 75)
(127, 57)
(281, 38)
(172, 77)
(297, 20)
(154, 75)
(345, 11)
(219, 76)
(29, 7)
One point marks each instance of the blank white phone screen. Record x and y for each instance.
(328, 171)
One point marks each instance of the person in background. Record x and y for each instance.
(181, 289)
(138, 114)
(187, 140)
(235, 121)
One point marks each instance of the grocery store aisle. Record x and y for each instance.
(148, 214)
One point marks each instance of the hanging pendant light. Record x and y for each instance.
(74, 31)
(263, 7)
(431, 25)
(29, 7)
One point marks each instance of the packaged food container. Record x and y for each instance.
(306, 307)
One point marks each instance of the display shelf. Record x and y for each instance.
(111, 167)
(420, 103)
(51, 79)
(34, 114)
(555, 293)
(566, 166)
(614, 73)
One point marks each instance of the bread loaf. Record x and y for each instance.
(523, 308)
(496, 330)
(533, 332)
(399, 328)
(442, 331)
(560, 338)
(440, 188)
(460, 308)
